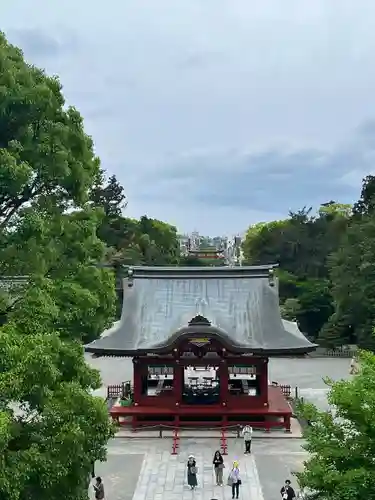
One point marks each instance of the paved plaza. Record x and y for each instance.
(145, 469)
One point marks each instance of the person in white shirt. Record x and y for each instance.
(247, 433)
(354, 366)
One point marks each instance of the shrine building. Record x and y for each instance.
(200, 339)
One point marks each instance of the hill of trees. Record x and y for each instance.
(327, 268)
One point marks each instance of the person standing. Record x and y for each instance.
(218, 463)
(247, 433)
(99, 489)
(354, 366)
(234, 479)
(192, 472)
(91, 475)
(287, 492)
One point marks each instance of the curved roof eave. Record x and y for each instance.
(125, 353)
(195, 331)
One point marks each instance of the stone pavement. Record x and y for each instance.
(144, 469)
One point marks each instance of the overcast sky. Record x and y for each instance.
(215, 114)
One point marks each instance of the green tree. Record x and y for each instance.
(337, 331)
(159, 242)
(288, 284)
(47, 165)
(333, 209)
(301, 245)
(51, 428)
(353, 282)
(65, 289)
(45, 156)
(138, 242)
(290, 309)
(315, 306)
(340, 442)
(145, 241)
(366, 203)
(352, 276)
(261, 243)
(108, 195)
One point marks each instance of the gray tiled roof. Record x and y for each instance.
(239, 301)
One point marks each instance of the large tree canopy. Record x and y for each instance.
(47, 165)
(51, 428)
(326, 274)
(64, 291)
(366, 203)
(45, 156)
(301, 245)
(341, 442)
(353, 285)
(146, 241)
(352, 277)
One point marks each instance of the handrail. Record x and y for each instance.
(115, 390)
(233, 428)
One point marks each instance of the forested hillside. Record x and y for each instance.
(326, 268)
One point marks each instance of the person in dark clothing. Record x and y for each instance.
(218, 463)
(287, 492)
(192, 472)
(99, 489)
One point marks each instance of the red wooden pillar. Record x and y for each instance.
(137, 380)
(223, 381)
(178, 374)
(263, 382)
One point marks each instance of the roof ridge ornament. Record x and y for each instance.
(198, 319)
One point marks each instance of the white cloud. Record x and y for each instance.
(273, 88)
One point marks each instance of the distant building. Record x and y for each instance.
(230, 248)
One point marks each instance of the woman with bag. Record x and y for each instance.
(192, 472)
(218, 463)
(287, 492)
(234, 480)
(99, 489)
